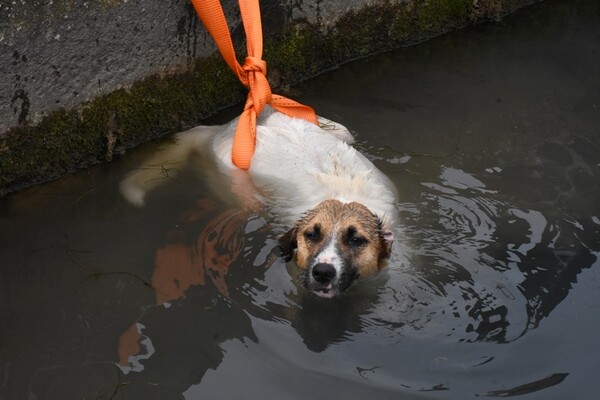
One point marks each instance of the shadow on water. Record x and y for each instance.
(493, 289)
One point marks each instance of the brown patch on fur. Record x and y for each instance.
(358, 233)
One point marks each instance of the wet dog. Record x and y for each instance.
(338, 209)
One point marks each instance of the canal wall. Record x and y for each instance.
(83, 81)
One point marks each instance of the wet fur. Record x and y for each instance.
(304, 175)
(359, 237)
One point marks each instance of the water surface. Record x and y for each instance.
(492, 137)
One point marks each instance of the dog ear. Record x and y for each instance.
(387, 239)
(288, 243)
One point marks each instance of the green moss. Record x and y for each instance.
(289, 55)
(67, 140)
(434, 16)
(303, 50)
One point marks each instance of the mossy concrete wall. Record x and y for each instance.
(85, 80)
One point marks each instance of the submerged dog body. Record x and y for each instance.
(339, 208)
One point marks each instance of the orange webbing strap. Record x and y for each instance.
(252, 74)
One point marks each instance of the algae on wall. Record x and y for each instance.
(188, 82)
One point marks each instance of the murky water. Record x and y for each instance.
(492, 136)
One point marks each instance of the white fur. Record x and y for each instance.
(296, 165)
(330, 255)
(300, 164)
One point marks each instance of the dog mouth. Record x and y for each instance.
(327, 282)
(330, 289)
(326, 292)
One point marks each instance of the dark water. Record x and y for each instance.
(492, 136)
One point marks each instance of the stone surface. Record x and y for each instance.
(83, 80)
(66, 52)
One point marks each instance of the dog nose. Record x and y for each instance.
(323, 272)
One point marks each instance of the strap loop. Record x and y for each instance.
(252, 74)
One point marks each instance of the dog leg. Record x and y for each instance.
(337, 130)
(165, 163)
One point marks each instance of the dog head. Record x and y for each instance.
(336, 243)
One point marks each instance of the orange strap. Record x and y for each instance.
(252, 74)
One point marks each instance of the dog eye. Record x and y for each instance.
(313, 235)
(357, 241)
(353, 239)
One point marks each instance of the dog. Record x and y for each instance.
(337, 208)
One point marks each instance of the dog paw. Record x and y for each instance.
(133, 194)
(336, 129)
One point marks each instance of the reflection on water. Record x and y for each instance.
(501, 268)
(493, 288)
(203, 248)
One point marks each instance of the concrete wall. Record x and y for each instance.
(62, 53)
(81, 78)
(66, 52)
